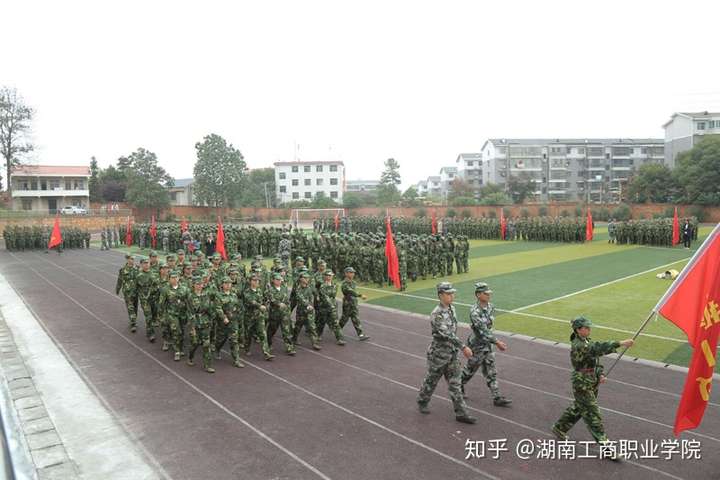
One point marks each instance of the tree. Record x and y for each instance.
(388, 192)
(459, 188)
(654, 182)
(322, 201)
(15, 118)
(357, 199)
(520, 187)
(698, 172)
(219, 172)
(94, 182)
(147, 181)
(113, 184)
(497, 198)
(410, 198)
(256, 184)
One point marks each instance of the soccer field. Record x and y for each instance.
(539, 287)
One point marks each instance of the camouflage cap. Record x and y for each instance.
(216, 256)
(144, 260)
(153, 253)
(304, 275)
(170, 257)
(226, 280)
(299, 259)
(174, 274)
(180, 252)
(580, 322)
(321, 262)
(328, 273)
(197, 279)
(445, 287)
(277, 276)
(164, 265)
(349, 270)
(482, 287)
(128, 256)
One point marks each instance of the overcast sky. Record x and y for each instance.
(356, 81)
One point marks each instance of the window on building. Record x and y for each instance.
(318, 181)
(333, 194)
(68, 185)
(295, 182)
(306, 168)
(333, 168)
(296, 195)
(281, 175)
(469, 164)
(318, 168)
(33, 184)
(283, 189)
(173, 196)
(308, 194)
(701, 126)
(55, 184)
(308, 182)
(27, 203)
(295, 169)
(333, 181)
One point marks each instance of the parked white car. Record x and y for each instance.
(73, 210)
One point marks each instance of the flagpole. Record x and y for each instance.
(637, 334)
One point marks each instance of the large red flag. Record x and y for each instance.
(183, 226)
(153, 232)
(128, 233)
(393, 264)
(693, 304)
(337, 221)
(220, 240)
(676, 229)
(503, 225)
(589, 227)
(55, 236)
(433, 223)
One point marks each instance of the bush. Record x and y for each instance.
(696, 211)
(462, 201)
(466, 213)
(658, 215)
(564, 213)
(420, 212)
(543, 211)
(496, 199)
(622, 212)
(170, 217)
(602, 215)
(451, 213)
(525, 212)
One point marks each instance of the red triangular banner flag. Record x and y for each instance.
(153, 232)
(676, 229)
(220, 240)
(693, 304)
(393, 263)
(589, 227)
(503, 225)
(128, 233)
(183, 226)
(56, 235)
(433, 223)
(337, 221)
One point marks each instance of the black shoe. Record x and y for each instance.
(501, 401)
(423, 407)
(363, 337)
(466, 419)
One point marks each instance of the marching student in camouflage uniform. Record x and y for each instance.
(145, 285)
(172, 305)
(327, 308)
(305, 314)
(199, 309)
(278, 299)
(481, 341)
(126, 283)
(350, 303)
(586, 377)
(442, 355)
(256, 318)
(230, 326)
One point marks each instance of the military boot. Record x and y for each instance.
(501, 401)
(465, 418)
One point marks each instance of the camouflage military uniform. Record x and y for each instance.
(350, 306)
(278, 299)
(327, 309)
(126, 283)
(233, 330)
(199, 310)
(255, 321)
(172, 306)
(305, 315)
(145, 285)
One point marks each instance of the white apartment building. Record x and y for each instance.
(469, 168)
(684, 130)
(49, 188)
(362, 186)
(303, 180)
(570, 169)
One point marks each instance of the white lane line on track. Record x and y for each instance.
(544, 364)
(277, 377)
(178, 376)
(485, 412)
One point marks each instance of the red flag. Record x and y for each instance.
(128, 233)
(55, 236)
(183, 226)
(153, 232)
(220, 240)
(693, 304)
(503, 224)
(393, 264)
(433, 223)
(337, 221)
(589, 227)
(676, 229)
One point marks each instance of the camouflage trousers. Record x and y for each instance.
(131, 303)
(233, 332)
(443, 362)
(586, 407)
(200, 336)
(485, 360)
(146, 305)
(175, 329)
(329, 317)
(307, 320)
(280, 319)
(350, 312)
(256, 329)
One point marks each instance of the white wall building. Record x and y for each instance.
(362, 186)
(684, 130)
(182, 192)
(469, 168)
(303, 180)
(49, 188)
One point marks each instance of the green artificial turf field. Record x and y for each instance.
(539, 287)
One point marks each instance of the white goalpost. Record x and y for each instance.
(302, 217)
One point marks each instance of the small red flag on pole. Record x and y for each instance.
(676, 229)
(128, 233)
(589, 227)
(433, 223)
(393, 263)
(153, 232)
(503, 225)
(183, 226)
(693, 304)
(337, 221)
(56, 235)
(220, 240)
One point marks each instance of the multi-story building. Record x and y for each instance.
(182, 192)
(361, 186)
(469, 169)
(570, 169)
(447, 176)
(684, 130)
(49, 188)
(304, 180)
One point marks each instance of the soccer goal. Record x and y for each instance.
(304, 217)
